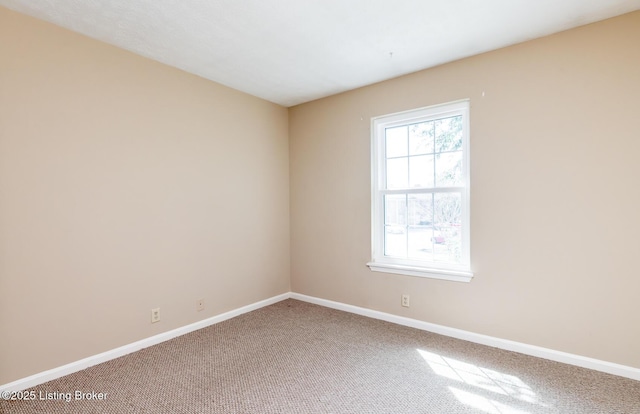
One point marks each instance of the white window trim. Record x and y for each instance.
(382, 263)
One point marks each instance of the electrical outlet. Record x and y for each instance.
(200, 305)
(405, 301)
(155, 315)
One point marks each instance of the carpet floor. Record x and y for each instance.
(295, 357)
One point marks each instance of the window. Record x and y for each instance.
(420, 192)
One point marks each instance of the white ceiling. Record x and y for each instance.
(294, 51)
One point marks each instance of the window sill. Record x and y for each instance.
(453, 275)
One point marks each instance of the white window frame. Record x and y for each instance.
(380, 263)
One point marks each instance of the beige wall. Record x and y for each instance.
(126, 185)
(555, 147)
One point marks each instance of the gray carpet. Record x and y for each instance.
(294, 357)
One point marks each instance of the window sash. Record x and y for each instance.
(380, 239)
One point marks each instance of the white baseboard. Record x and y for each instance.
(536, 351)
(76, 366)
(571, 359)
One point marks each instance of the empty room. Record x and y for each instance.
(326, 206)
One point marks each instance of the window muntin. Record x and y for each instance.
(420, 179)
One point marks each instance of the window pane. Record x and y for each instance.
(395, 225)
(397, 173)
(419, 244)
(395, 241)
(395, 210)
(449, 169)
(420, 209)
(447, 209)
(396, 141)
(421, 171)
(448, 134)
(421, 138)
(420, 218)
(447, 231)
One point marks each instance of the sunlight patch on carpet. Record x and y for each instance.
(504, 385)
